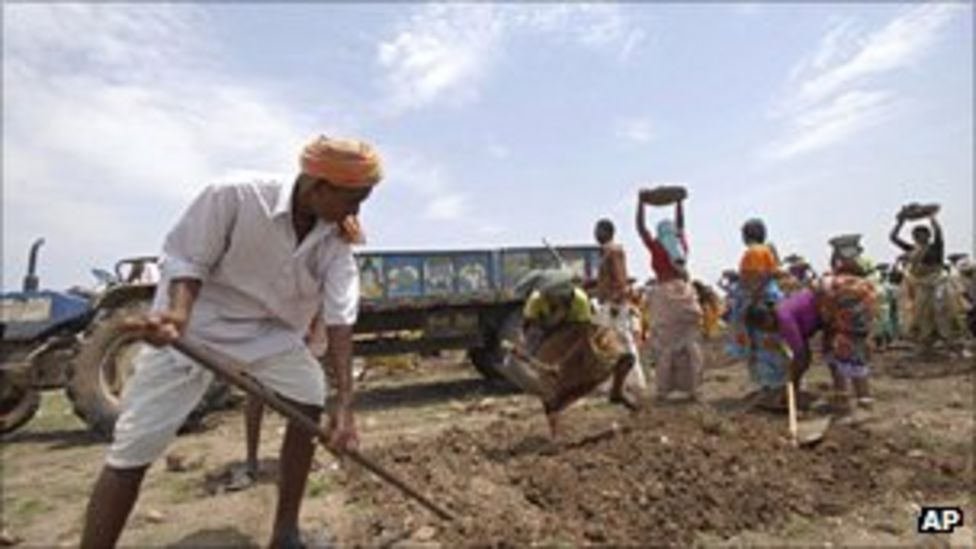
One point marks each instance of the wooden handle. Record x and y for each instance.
(791, 396)
(233, 372)
(791, 406)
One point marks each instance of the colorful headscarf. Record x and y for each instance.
(342, 162)
(553, 283)
(667, 235)
(557, 284)
(351, 230)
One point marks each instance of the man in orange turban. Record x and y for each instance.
(245, 271)
(347, 168)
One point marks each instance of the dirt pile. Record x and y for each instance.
(659, 477)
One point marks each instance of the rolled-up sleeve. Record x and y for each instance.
(340, 288)
(200, 238)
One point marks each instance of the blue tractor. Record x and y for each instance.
(39, 330)
(74, 339)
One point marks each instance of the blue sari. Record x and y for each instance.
(766, 354)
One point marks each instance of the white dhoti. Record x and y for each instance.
(166, 386)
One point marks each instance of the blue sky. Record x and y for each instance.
(500, 124)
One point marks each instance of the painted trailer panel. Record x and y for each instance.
(465, 276)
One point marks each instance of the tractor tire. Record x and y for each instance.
(105, 361)
(488, 358)
(103, 364)
(18, 403)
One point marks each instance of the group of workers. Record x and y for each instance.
(264, 272)
(858, 307)
(772, 311)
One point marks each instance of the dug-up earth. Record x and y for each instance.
(706, 474)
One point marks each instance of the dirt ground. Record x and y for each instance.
(680, 474)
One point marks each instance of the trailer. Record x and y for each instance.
(429, 301)
(411, 302)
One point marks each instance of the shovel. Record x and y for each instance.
(807, 432)
(525, 379)
(231, 371)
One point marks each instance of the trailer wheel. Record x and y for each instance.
(19, 402)
(488, 358)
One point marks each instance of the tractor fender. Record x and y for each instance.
(116, 297)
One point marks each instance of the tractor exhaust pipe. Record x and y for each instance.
(31, 282)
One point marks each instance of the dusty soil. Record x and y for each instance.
(711, 473)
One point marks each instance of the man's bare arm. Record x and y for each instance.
(164, 327)
(338, 363)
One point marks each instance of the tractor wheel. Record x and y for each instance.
(105, 361)
(19, 401)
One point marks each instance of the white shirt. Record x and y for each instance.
(260, 288)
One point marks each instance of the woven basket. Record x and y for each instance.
(664, 195)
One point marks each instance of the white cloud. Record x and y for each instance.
(638, 130)
(426, 181)
(833, 93)
(137, 114)
(605, 26)
(833, 122)
(900, 43)
(445, 208)
(601, 26)
(444, 52)
(109, 109)
(423, 189)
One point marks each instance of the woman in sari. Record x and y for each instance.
(927, 283)
(847, 304)
(753, 335)
(676, 317)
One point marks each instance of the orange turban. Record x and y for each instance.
(342, 162)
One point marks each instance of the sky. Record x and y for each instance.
(499, 124)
